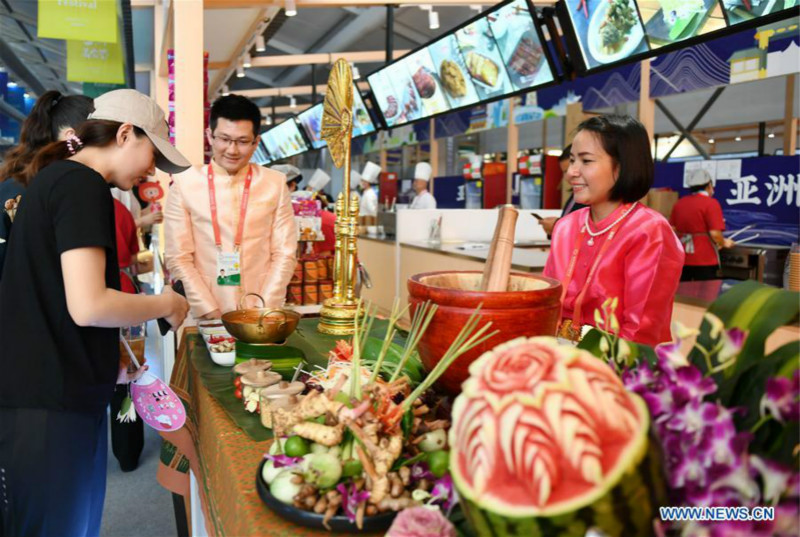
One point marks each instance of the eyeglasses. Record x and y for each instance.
(224, 141)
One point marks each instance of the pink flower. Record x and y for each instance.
(421, 522)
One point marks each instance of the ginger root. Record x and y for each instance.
(321, 434)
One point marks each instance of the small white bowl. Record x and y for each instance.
(225, 359)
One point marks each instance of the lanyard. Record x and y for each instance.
(212, 198)
(576, 311)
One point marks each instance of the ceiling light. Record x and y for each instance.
(247, 62)
(426, 7)
(292, 102)
(291, 8)
(26, 95)
(433, 20)
(225, 90)
(711, 140)
(476, 7)
(356, 73)
(268, 120)
(261, 45)
(771, 135)
(240, 70)
(738, 138)
(11, 85)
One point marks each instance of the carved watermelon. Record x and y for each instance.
(547, 441)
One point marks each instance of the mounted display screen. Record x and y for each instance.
(311, 120)
(261, 156)
(285, 140)
(493, 56)
(605, 33)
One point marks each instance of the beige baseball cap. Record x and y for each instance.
(130, 106)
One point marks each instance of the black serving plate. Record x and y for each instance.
(309, 519)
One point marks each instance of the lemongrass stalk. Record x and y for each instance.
(387, 340)
(369, 317)
(355, 365)
(421, 321)
(465, 341)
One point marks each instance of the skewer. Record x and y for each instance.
(753, 237)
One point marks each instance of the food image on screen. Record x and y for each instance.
(526, 57)
(391, 106)
(452, 79)
(426, 85)
(482, 69)
(608, 31)
(620, 18)
(746, 10)
(670, 21)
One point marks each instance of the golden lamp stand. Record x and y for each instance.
(338, 314)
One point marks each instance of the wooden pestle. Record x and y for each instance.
(497, 271)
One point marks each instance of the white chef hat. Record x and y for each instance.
(355, 179)
(698, 178)
(370, 173)
(423, 171)
(291, 172)
(318, 180)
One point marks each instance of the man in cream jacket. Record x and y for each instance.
(202, 243)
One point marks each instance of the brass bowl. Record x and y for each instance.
(260, 325)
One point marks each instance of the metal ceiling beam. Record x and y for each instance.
(9, 110)
(20, 70)
(286, 91)
(40, 44)
(284, 47)
(289, 60)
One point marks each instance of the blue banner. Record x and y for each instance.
(450, 192)
(766, 195)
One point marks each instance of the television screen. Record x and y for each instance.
(670, 21)
(261, 156)
(311, 121)
(739, 11)
(495, 55)
(607, 31)
(285, 140)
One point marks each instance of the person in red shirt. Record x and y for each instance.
(127, 246)
(697, 219)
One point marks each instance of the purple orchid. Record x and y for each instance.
(283, 461)
(691, 418)
(732, 343)
(689, 471)
(351, 499)
(775, 478)
(638, 379)
(781, 398)
(671, 354)
(691, 385)
(420, 471)
(444, 493)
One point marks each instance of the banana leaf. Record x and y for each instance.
(412, 369)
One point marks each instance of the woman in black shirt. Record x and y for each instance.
(60, 309)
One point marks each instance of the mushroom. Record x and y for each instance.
(251, 365)
(283, 389)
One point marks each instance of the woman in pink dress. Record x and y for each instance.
(616, 247)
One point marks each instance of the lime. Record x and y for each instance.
(296, 446)
(352, 468)
(439, 462)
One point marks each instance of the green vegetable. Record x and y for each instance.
(296, 446)
(433, 441)
(322, 469)
(277, 446)
(439, 462)
(318, 448)
(352, 468)
(282, 487)
(343, 398)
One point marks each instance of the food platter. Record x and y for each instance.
(632, 37)
(309, 519)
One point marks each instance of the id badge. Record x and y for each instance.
(228, 269)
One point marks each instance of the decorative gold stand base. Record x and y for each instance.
(337, 319)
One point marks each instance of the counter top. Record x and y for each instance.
(522, 259)
(384, 239)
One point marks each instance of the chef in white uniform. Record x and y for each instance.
(292, 173)
(369, 196)
(423, 199)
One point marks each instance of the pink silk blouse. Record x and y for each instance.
(641, 267)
